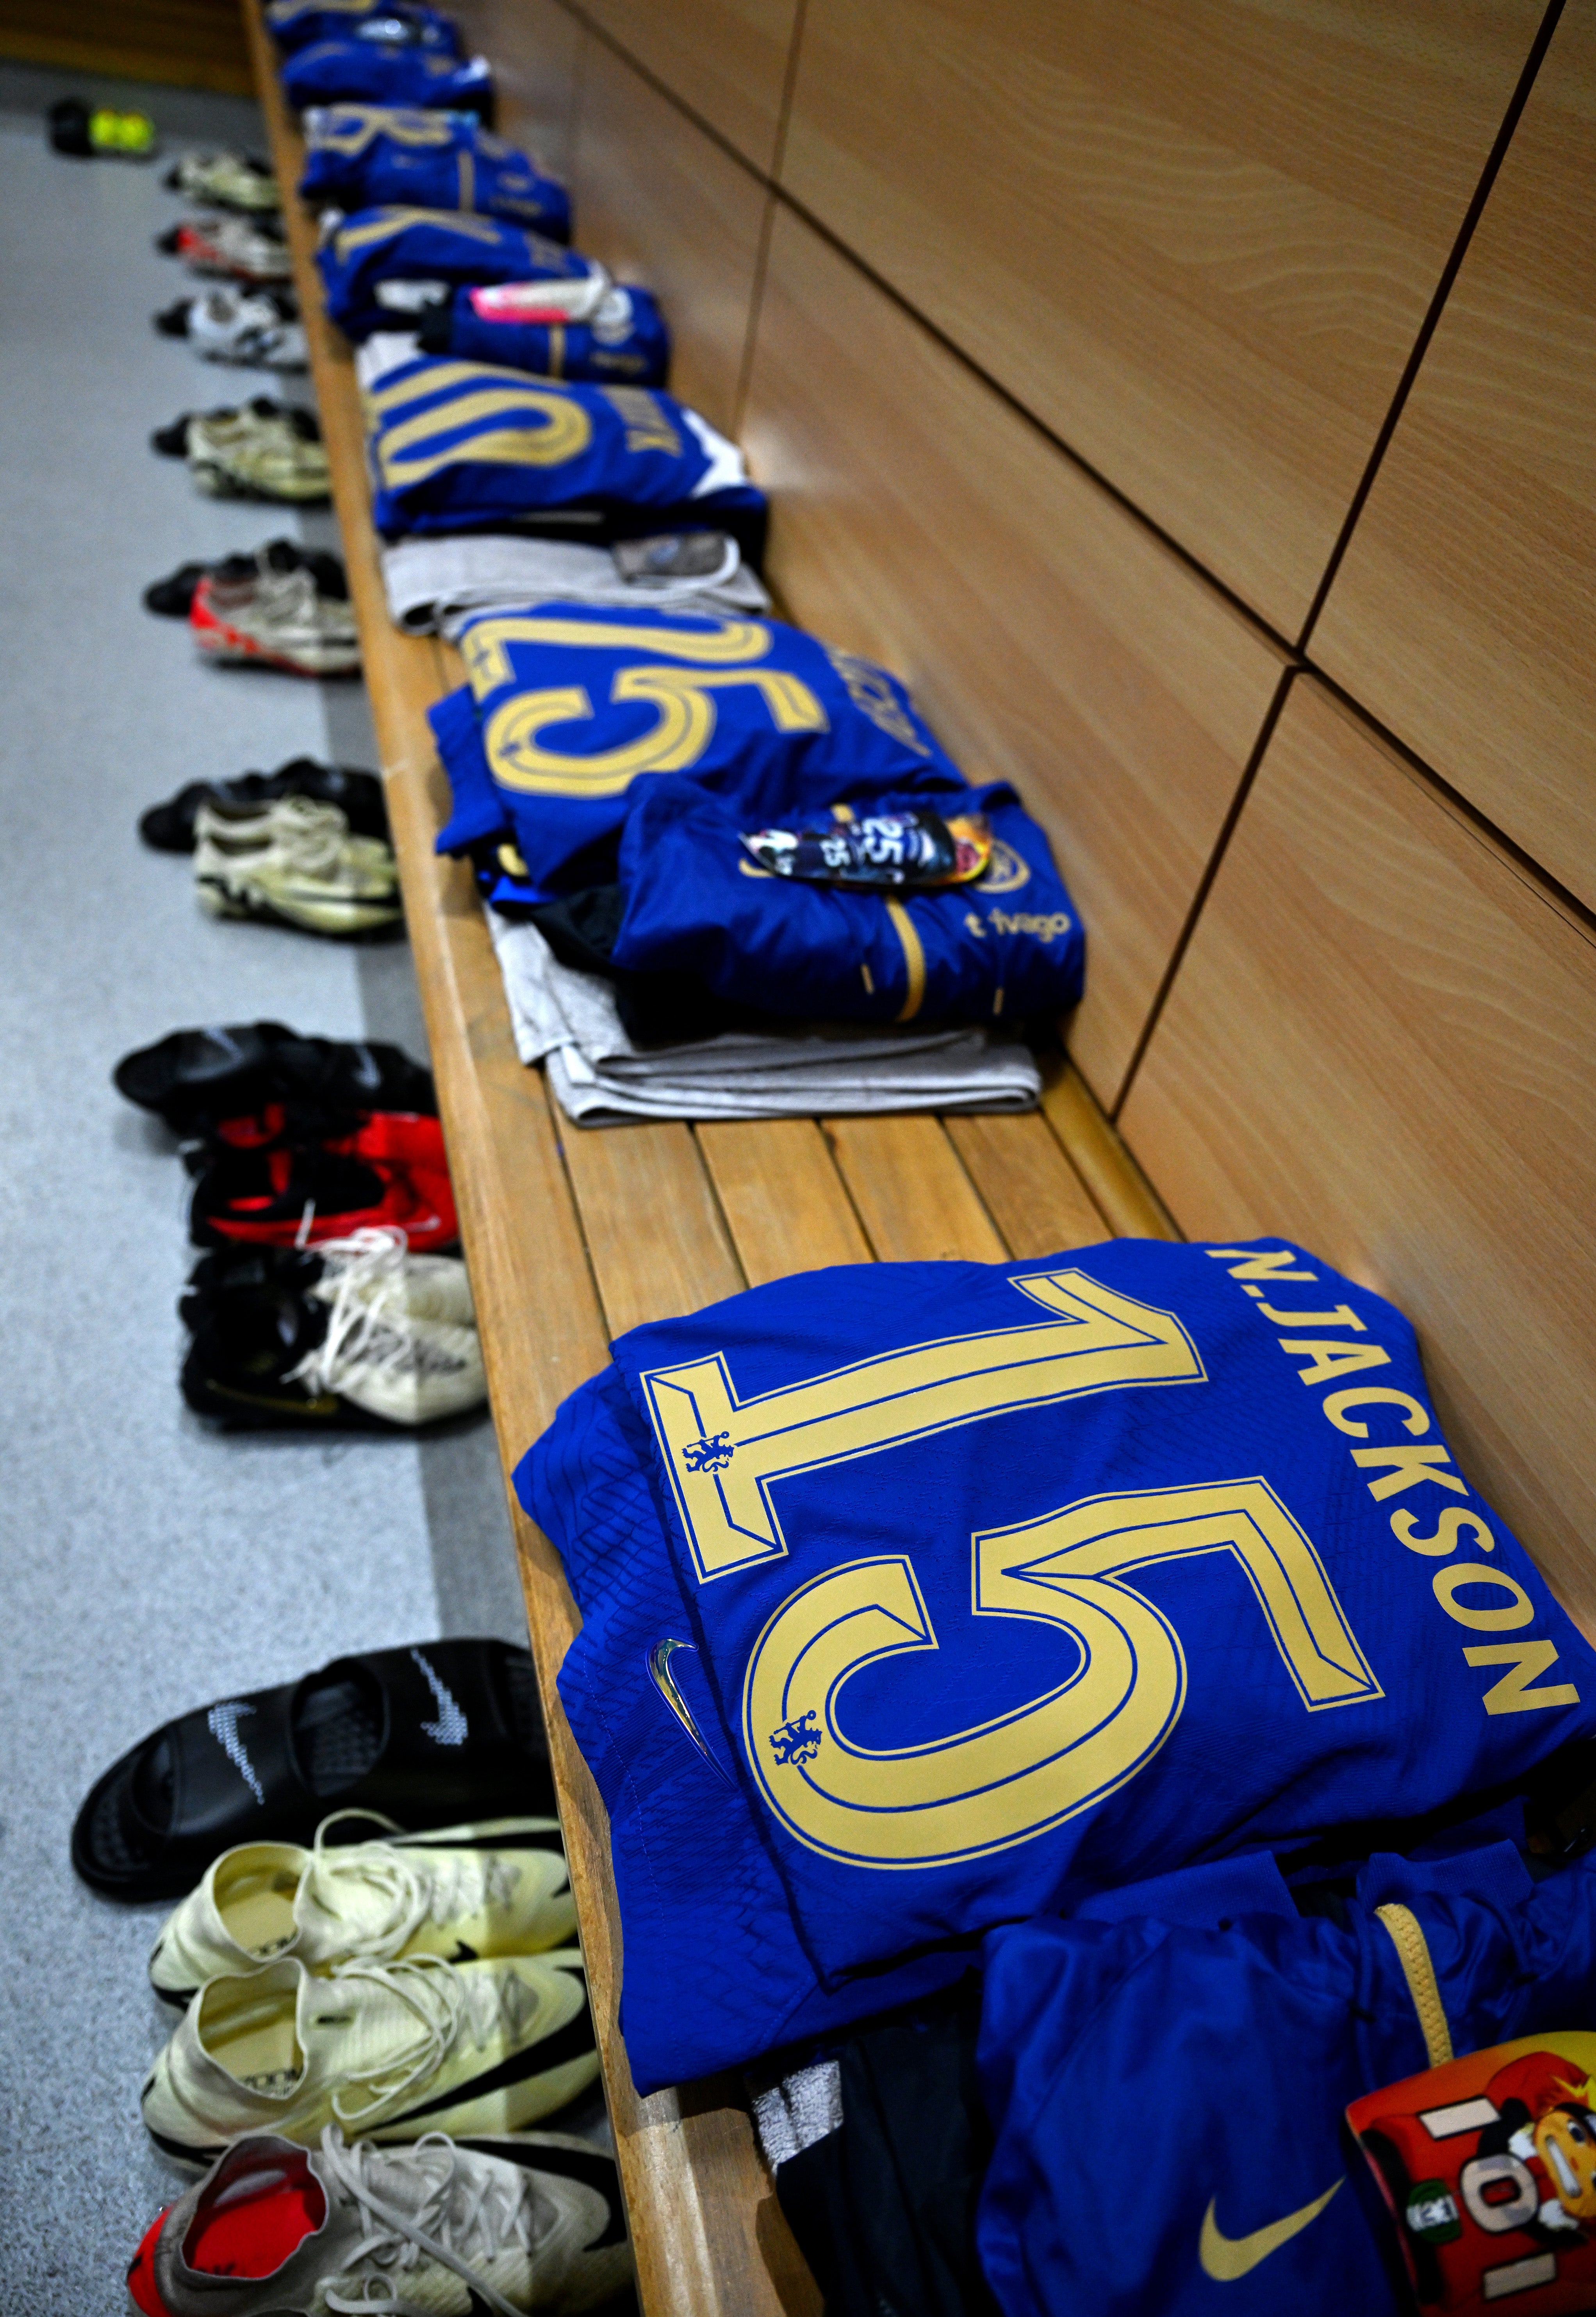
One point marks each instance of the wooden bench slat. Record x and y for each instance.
(654, 1231)
(1126, 1200)
(1032, 1194)
(910, 1191)
(783, 1202)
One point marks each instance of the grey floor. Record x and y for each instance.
(147, 1565)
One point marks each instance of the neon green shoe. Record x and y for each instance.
(398, 2050)
(90, 133)
(500, 1889)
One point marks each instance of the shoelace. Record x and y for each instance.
(368, 1327)
(463, 2216)
(446, 2006)
(313, 839)
(413, 1889)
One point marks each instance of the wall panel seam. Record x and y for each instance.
(1266, 733)
(1298, 660)
(1530, 872)
(1427, 328)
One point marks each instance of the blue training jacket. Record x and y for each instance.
(1007, 947)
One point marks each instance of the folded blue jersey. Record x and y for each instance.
(1008, 945)
(380, 72)
(360, 253)
(1014, 1583)
(624, 341)
(693, 1875)
(574, 705)
(296, 24)
(460, 446)
(1167, 2094)
(368, 156)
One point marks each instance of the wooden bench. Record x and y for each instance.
(573, 1236)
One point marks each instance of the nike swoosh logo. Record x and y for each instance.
(665, 1682)
(1225, 2258)
(450, 1729)
(222, 1721)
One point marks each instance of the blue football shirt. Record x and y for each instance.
(296, 24)
(369, 156)
(623, 343)
(375, 72)
(445, 246)
(577, 705)
(460, 446)
(1014, 1582)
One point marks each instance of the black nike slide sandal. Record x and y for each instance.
(193, 1078)
(428, 1736)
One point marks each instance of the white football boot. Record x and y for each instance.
(466, 1891)
(496, 2227)
(397, 2049)
(294, 862)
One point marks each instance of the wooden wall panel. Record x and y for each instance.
(1379, 1043)
(1465, 613)
(727, 60)
(661, 203)
(1049, 640)
(534, 47)
(1195, 238)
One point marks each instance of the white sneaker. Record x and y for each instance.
(397, 2049)
(377, 1266)
(262, 449)
(294, 862)
(232, 181)
(463, 1893)
(401, 1341)
(501, 2226)
(256, 328)
(278, 619)
(241, 247)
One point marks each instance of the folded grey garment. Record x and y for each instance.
(569, 1020)
(433, 585)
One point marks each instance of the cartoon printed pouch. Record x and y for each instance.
(1488, 2167)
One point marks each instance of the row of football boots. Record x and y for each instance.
(243, 243)
(283, 606)
(327, 1299)
(257, 450)
(421, 1994)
